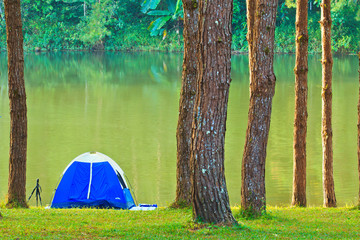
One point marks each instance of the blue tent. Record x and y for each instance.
(93, 180)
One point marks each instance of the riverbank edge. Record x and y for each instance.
(165, 223)
(234, 52)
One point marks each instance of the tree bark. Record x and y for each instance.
(186, 106)
(301, 89)
(17, 97)
(209, 193)
(327, 62)
(358, 125)
(262, 89)
(250, 13)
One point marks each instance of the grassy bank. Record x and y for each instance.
(310, 223)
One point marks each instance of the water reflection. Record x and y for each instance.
(125, 105)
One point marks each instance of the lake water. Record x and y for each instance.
(125, 105)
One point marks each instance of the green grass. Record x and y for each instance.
(283, 223)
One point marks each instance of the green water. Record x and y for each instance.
(125, 105)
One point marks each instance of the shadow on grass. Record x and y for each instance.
(355, 208)
(265, 215)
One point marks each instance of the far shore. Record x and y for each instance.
(134, 50)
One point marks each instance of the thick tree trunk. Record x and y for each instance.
(17, 97)
(301, 89)
(326, 131)
(186, 106)
(358, 125)
(209, 193)
(262, 89)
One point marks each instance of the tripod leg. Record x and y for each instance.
(40, 199)
(32, 193)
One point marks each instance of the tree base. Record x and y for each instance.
(251, 213)
(181, 204)
(16, 204)
(298, 203)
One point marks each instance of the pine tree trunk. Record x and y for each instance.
(17, 97)
(327, 62)
(358, 125)
(250, 13)
(301, 89)
(186, 106)
(262, 89)
(209, 193)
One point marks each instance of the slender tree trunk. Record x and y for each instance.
(17, 97)
(301, 89)
(178, 30)
(209, 193)
(186, 106)
(326, 131)
(250, 12)
(84, 8)
(262, 89)
(358, 125)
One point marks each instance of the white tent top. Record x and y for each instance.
(96, 157)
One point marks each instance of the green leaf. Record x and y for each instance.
(149, 4)
(171, 5)
(158, 24)
(156, 32)
(179, 11)
(178, 6)
(159, 13)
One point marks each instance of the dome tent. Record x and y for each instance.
(93, 180)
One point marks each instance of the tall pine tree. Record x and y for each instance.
(18, 111)
(301, 89)
(261, 31)
(186, 105)
(326, 126)
(209, 193)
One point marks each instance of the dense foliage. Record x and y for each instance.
(128, 25)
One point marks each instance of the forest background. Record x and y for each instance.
(136, 25)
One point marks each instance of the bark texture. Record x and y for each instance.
(261, 28)
(358, 125)
(250, 14)
(186, 105)
(17, 97)
(301, 89)
(326, 131)
(209, 193)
